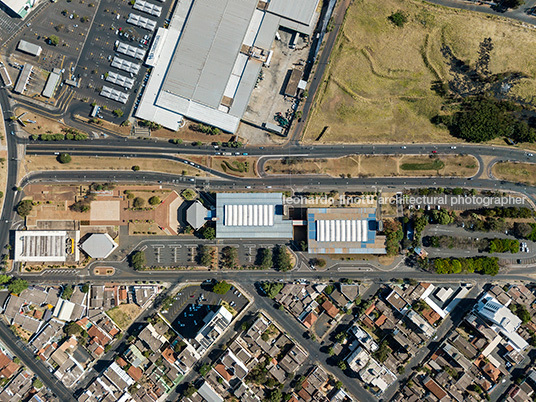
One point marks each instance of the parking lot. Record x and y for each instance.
(94, 67)
(70, 23)
(186, 253)
(193, 303)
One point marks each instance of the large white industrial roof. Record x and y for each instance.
(251, 215)
(301, 11)
(40, 246)
(203, 71)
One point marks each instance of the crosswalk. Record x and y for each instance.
(73, 272)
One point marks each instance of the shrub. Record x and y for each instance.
(138, 202)
(64, 158)
(135, 168)
(154, 200)
(398, 18)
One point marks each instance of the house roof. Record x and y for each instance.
(330, 309)
(220, 368)
(310, 319)
(435, 389)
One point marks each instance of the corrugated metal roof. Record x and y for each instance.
(208, 48)
(251, 216)
(30, 48)
(301, 11)
(51, 84)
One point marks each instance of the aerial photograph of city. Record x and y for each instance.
(267, 200)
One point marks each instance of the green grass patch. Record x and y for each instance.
(436, 164)
(235, 166)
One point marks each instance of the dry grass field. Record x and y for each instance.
(124, 314)
(515, 172)
(379, 166)
(378, 86)
(49, 162)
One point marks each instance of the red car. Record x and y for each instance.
(434, 152)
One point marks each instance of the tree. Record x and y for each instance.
(67, 292)
(72, 328)
(53, 40)
(24, 208)
(221, 288)
(85, 287)
(272, 289)
(205, 256)
(209, 233)
(512, 3)
(80, 206)
(135, 168)
(229, 257)
(264, 258)
(204, 369)
(16, 286)
(64, 158)
(138, 260)
(4, 279)
(275, 395)
(189, 391)
(282, 258)
(398, 18)
(138, 202)
(341, 364)
(154, 200)
(118, 112)
(37, 384)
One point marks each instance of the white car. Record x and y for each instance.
(453, 147)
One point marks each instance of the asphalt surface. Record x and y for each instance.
(21, 351)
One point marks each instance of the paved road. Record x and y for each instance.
(520, 14)
(338, 19)
(20, 350)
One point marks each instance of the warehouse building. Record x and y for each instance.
(52, 82)
(23, 79)
(41, 246)
(210, 60)
(6, 79)
(30, 48)
(251, 216)
(18, 8)
(343, 231)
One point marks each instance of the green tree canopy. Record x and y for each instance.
(221, 288)
(24, 208)
(17, 285)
